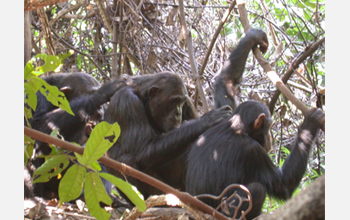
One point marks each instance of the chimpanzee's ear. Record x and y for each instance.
(67, 90)
(259, 121)
(152, 92)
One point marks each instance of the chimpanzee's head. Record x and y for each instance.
(77, 84)
(164, 95)
(254, 119)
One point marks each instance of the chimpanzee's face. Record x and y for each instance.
(166, 108)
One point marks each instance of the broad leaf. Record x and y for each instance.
(71, 185)
(95, 194)
(31, 89)
(101, 139)
(127, 189)
(52, 167)
(51, 63)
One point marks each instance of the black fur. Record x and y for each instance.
(154, 139)
(234, 151)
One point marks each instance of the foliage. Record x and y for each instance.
(146, 41)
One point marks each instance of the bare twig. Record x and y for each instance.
(46, 31)
(294, 66)
(104, 15)
(191, 55)
(82, 53)
(215, 36)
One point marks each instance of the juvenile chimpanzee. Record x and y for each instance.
(153, 139)
(234, 151)
(87, 99)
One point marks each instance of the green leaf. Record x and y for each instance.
(28, 148)
(28, 69)
(101, 139)
(51, 63)
(71, 185)
(127, 189)
(95, 194)
(52, 167)
(53, 95)
(30, 90)
(65, 55)
(94, 166)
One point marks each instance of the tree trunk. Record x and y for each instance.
(309, 204)
(27, 37)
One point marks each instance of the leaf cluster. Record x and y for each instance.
(83, 173)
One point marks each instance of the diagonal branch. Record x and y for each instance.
(216, 34)
(127, 170)
(310, 50)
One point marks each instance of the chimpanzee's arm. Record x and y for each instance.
(295, 165)
(172, 144)
(232, 71)
(69, 126)
(282, 182)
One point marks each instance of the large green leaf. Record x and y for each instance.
(95, 194)
(51, 63)
(31, 89)
(52, 167)
(101, 139)
(127, 189)
(52, 94)
(71, 185)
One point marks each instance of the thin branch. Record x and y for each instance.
(82, 53)
(191, 56)
(215, 36)
(127, 170)
(310, 50)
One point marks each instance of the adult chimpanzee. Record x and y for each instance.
(153, 139)
(87, 99)
(234, 151)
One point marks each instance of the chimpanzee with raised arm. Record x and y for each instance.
(234, 151)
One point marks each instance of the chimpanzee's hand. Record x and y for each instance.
(108, 89)
(217, 115)
(259, 38)
(314, 118)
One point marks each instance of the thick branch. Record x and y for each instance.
(127, 170)
(267, 67)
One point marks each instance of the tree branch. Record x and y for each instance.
(193, 62)
(310, 50)
(216, 34)
(127, 170)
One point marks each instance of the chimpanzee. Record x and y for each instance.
(153, 139)
(87, 100)
(234, 151)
